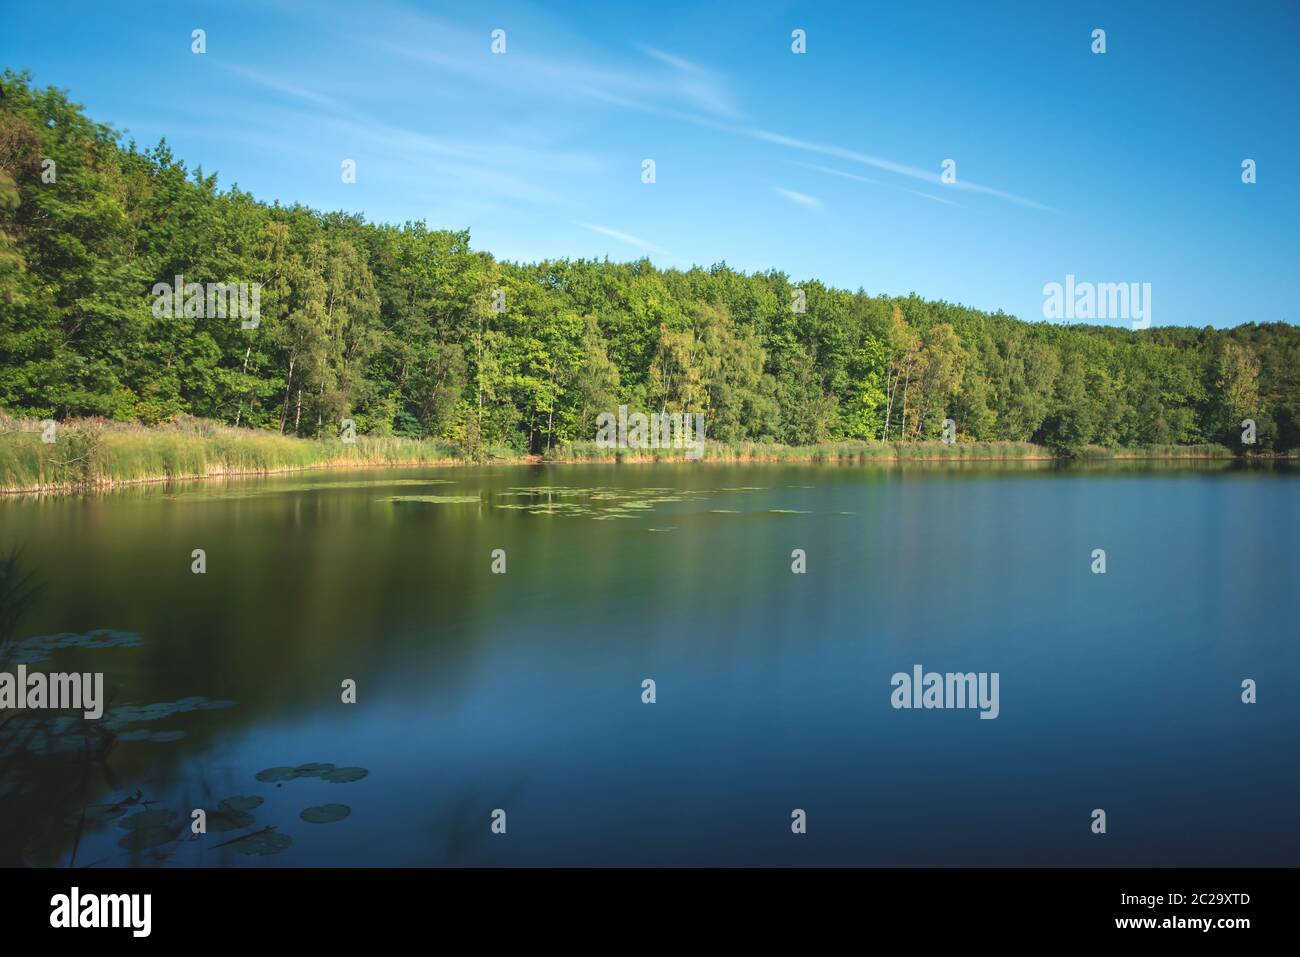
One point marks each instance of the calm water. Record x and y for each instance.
(478, 691)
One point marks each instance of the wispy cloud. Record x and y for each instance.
(278, 85)
(875, 182)
(498, 165)
(865, 159)
(623, 237)
(901, 169)
(699, 85)
(670, 82)
(659, 82)
(803, 199)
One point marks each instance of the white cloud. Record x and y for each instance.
(282, 86)
(900, 168)
(622, 237)
(803, 199)
(677, 83)
(875, 182)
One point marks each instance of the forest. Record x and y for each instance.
(410, 331)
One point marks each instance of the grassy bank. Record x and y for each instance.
(865, 452)
(1206, 451)
(92, 452)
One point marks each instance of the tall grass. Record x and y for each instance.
(90, 452)
(1204, 451)
(860, 452)
(828, 452)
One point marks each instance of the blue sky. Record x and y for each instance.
(1121, 167)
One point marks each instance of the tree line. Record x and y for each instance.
(410, 331)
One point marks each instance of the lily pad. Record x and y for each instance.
(277, 774)
(600, 503)
(344, 775)
(325, 813)
(123, 715)
(241, 804)
(434, 499)
(159, 817)
(313, 769)
(262, 843)
(222, 820)
(32, 650)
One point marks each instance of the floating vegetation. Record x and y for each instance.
(43, 736)
(32, 650)
(259, 843)
(122, 715)
(242, 803)
(159, 817)
(325, 813)
(219, 822)
(434, 499)
(600, 503)
(310, 770)
(233, 813)
(344, 775)
(276, 775)
(552, 490)
(326, 772)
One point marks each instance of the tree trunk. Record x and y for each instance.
(240, 413)
(902, 424)
(889, 406)
(284, 408)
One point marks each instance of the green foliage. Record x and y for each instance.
(395, 328)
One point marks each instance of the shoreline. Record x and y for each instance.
(108, 484)
(792, 456)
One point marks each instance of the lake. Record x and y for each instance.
(522, 692)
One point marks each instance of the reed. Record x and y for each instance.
(96, 452)
(827, 452)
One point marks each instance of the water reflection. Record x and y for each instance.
(477, 692)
